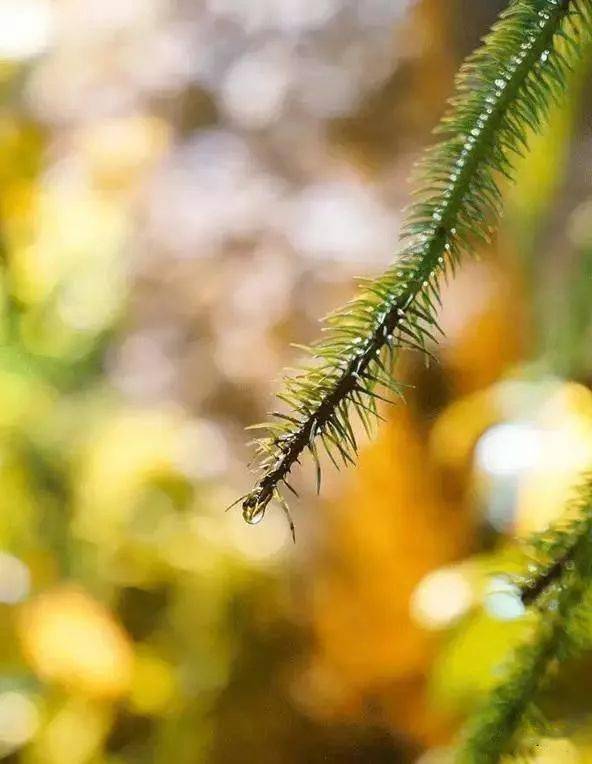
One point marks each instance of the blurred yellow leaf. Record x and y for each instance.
(72, 640)
(73, 734)
(125, 453)
(470, 663)
(153, 684)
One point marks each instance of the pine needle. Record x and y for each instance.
(510, 711)
(503, 91)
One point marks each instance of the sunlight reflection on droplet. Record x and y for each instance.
(441, 598)
(502, 600)
(255, 518)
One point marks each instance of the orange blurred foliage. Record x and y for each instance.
(404, 513)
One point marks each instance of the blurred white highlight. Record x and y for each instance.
(441, 598)
(507, 449)
(15, 580)
(18, 721)
(26, 28)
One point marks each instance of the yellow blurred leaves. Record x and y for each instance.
(15, 527)
(469, 663)
(24, 398)
(73, 641)
(74, 733)
(129, 489)
(153, 684)
(126, 452)
(20, 146)
(65, 233)
(74, 228)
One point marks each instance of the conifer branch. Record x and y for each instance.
(566, 550)
(495, 729)
(543, 576)
(552, 551)
(502, 91)
(531, 590)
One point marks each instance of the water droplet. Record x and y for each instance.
(255, 517)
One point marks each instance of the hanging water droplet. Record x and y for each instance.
(255, 518)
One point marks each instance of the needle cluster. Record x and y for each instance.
(503, 91)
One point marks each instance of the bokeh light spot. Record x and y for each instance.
(15, 579)
(508, 448)
(441, 598)
(26, 28)
(18, 721)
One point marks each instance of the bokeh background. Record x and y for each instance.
(186, 186)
